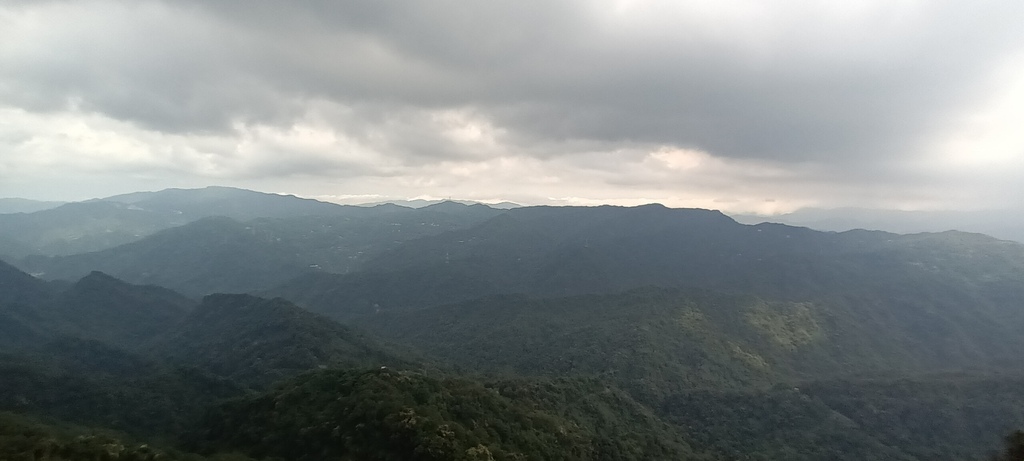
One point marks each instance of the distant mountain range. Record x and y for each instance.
(94, 225)
(228, 321)
(220, 254)
(20, 205)
(100, 224)
(1007, 224)
(420, 203)
(30, 227)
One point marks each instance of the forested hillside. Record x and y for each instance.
(663, 339)
(221, 254)
(258, 341)
(385, 414)
(23, 439)
(268, 327)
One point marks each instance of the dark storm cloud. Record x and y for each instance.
(873, 87)
(543, 69)
(854, 92)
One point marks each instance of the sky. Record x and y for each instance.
(743, 106)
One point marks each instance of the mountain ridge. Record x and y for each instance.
(99, 224)
(717, 340)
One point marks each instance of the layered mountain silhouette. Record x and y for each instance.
(105, 223)
(20, 205)
(220, 254)
(222, 320)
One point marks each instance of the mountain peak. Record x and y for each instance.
(99, 277)
(17, 286)
(450, 206)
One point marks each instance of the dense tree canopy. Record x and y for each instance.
(468, 333)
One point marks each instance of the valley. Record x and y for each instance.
(229, 324)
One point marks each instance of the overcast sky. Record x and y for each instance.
(745, 106)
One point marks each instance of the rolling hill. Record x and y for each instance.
(905, 281)
(99, 224)
(220, 254)
(106, 309)
(90, 383)
(1000, 223)
(386, 414)
(20, 205)
(545, 332)
(260, 341)
(96, 307)
(17, 287)
(655, 342)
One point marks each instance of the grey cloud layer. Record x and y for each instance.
(863, 87)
